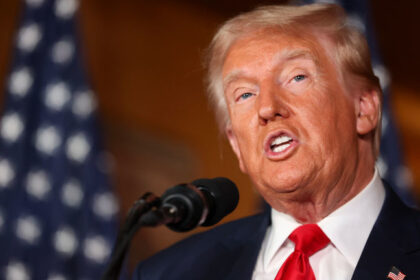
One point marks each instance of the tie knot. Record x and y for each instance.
(309, 239)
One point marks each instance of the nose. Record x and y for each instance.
(270, 107)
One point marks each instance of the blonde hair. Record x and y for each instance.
(350, 52)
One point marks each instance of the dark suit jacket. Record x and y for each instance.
(230, 251)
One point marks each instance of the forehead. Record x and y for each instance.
(271, 47)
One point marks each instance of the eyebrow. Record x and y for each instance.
(292, 54)
(231, 77)
(285, 56)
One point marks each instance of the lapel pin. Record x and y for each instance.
(395, 274)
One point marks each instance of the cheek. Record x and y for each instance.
(328, 123)
(340, 132)
(246, 130)
(244, 120)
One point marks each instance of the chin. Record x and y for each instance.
(284, 184)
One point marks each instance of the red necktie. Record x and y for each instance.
(308, 240)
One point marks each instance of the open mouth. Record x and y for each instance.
(279, 145)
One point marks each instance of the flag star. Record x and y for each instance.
(34, 3)
(72, 194)
(38, 184)
(65, 241)
(7, 174)
(83, 104)
(356, 22)
(47, 140)
(29, 37)
(16, 271)
(20, 82)
(382, 166)
(383, 75)
(11, 127)
(97, 249)
(57, 95)
(62, 51)
(65, 9)
(78, 147)
(105, 205)
(28, 229)
(56, 276)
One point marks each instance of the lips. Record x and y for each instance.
(279, 145)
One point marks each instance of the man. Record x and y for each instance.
(295, 93)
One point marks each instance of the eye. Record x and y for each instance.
(245, 95)
(299, 78)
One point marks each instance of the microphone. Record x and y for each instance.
(181, 208)
(203, 202)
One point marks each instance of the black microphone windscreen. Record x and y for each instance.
(222, 197)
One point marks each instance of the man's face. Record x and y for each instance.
(293, 124)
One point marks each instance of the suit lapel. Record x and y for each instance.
(392, 237)
(379, 255)
(246, 247)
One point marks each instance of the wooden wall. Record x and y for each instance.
(144, 59)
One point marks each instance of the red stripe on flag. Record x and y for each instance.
(392, 276)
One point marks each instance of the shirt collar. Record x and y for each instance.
(359, 213)
(282, 225)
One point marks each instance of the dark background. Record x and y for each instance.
(144, 58)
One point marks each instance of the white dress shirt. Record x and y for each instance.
(348, 228)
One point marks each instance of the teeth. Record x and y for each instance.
(281, 148)
(280, 140)
(280, 143)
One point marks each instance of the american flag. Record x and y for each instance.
(395, 274)
(57, 211)
(390, 163)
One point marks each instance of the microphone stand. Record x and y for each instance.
(133, 223)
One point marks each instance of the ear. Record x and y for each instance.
(368, 108)
(233, 141)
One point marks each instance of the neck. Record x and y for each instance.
(312, 207)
